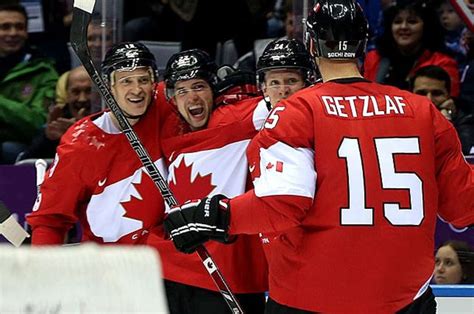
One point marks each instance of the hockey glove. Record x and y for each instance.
(185, 239)
(209, 216)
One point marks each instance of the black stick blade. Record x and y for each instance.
(4, 212)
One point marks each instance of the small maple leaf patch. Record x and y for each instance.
(186, 189)
(278, 168)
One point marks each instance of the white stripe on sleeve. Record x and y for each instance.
(285, 170)
(260, 115)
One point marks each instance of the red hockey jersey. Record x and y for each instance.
(208, 162)
(353, 174)
(98, 179)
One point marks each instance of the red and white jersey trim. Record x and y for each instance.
(260, 114)
(285, 170)
(423, 288)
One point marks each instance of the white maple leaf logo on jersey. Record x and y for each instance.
(106, 212)
(186, 187)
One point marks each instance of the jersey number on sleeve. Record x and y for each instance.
(273, 118)
(357, 213)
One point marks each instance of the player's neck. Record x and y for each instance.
(117, 124)
(331, 70)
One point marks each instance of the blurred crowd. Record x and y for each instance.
(406, 37)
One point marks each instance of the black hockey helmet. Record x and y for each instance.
(336, 29)
(283, 54)
(128, 56)
(234, 85)
(188, 65)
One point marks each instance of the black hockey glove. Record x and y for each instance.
(210, 216)
(185, 239)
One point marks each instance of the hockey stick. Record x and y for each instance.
(10, 228)
(81, 17)
(40, 166)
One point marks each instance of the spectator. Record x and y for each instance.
(62, 116)
(433, 82)
(246, 23)
(373, 10)
(61, 91)
(411, 40)
(27, 82)
(194, 27)
(57, 16)
(470, 5)
(248, 61)
(275, 20)
(454, 264)
(153, 21)
(453, 26)
(96, 32)
(95, 36)
(467, 78)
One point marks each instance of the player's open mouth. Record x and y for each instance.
(196, 111)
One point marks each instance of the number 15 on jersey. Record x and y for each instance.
(357, 212)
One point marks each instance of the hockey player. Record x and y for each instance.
(284, 68)
(349, 172)
(97, 178)
(196, 155)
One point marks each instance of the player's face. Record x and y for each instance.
(447, 267)
(434, 89)
(281, 83)
(13, 32)
(133, 90)
(194, 100)
(407, 31)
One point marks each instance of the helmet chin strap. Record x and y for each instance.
(134, 117)
(268, 102)
(129, 116)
